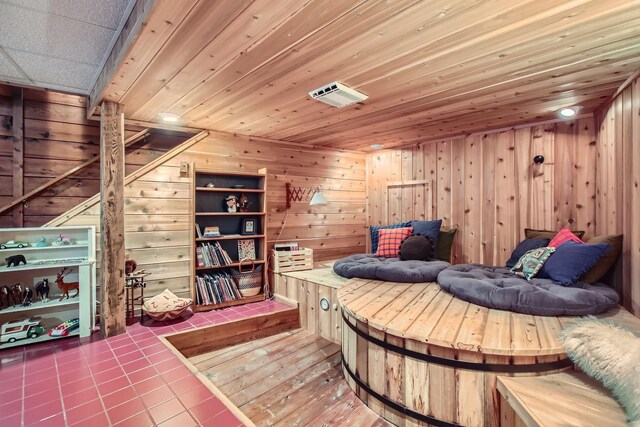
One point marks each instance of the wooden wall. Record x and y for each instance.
(157, 204)
(57, 137)
(487, 186)
(617, 180)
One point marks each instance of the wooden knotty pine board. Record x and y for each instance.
(157, 206)
(292, 378)
(487, 187)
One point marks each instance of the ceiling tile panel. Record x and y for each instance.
(105, 13)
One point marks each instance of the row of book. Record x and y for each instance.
(212, 255)
(216, 288)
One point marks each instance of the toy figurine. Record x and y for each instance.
(232, 203)
(15, 260)
(42, 242)
(66, 287)
(16, 294)
(5, 297)
(63, 240)
(27, 297)
(130, 266)
(210, 185)
(20, 329)
(243, 203)
(12, 244)
(42, 290)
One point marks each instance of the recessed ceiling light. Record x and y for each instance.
(377, 146)
(169, 117)
(567, 112)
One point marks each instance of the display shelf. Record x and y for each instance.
(208, 209)
(235, 264)
(42, 338)
(233, 237)
(39, 305)
(48, 265)
(230, 190)
(45, 248)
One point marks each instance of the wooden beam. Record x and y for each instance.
(112, 316)
(130, 32)
(130, 141)
(18, 152)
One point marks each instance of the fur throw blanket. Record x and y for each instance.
(610, 354)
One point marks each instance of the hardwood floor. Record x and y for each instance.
(288, 379)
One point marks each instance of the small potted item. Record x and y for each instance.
(42, 243)
(232, 203)
(15, 260)
(20, 329)
(64, 329)
(12, 244)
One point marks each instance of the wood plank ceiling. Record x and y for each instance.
(432, 69)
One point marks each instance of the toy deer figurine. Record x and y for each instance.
(66, 287)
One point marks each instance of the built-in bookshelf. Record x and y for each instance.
(221, 239)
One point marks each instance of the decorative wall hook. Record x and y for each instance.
(538, 159)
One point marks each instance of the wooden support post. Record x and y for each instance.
(112, 316)
(18, 153)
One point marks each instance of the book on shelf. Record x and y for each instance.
(216, 288)
(198, 231)
(211, 232)
(213, 255)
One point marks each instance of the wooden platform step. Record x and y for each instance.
(288, 379)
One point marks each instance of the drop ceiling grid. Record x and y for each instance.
(57, 44)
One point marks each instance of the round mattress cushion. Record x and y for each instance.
(369, 266)
(498, 287)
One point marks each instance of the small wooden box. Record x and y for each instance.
(299, 260)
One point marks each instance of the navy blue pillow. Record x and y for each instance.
(525, 246)
(430, 229)
(571, 260)
(374, 232)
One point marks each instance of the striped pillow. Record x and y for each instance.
(390, 241)
(564, 235)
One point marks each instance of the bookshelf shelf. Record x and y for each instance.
(215, 283)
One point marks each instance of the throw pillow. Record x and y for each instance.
(564, 235)
(525, 246)
(390, 240)
(445, 244)
(416, 247)
(571, 260)
(532, 261)
(428, 228)
(166, 306)
(605, 263)
(608, 353)
(374, 232)
(530, 233)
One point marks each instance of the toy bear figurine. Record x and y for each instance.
(15, 260)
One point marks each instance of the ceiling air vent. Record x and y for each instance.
(337, 95)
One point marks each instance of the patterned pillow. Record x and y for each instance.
(532, 261)
(390, 240)
(564, 235)
(166, 306)
(374, 232)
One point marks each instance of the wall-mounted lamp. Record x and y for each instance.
(538, 159)
(302, 194)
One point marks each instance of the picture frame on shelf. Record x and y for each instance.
(248, 226)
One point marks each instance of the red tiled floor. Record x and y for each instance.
(128, 380)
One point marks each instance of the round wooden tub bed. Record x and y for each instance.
(416, 354)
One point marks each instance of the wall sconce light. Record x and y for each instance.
(538, 159)
(302, 194)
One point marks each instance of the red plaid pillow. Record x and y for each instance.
(562, 236)
(390, 240)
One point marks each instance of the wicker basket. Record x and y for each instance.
(250, 282)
